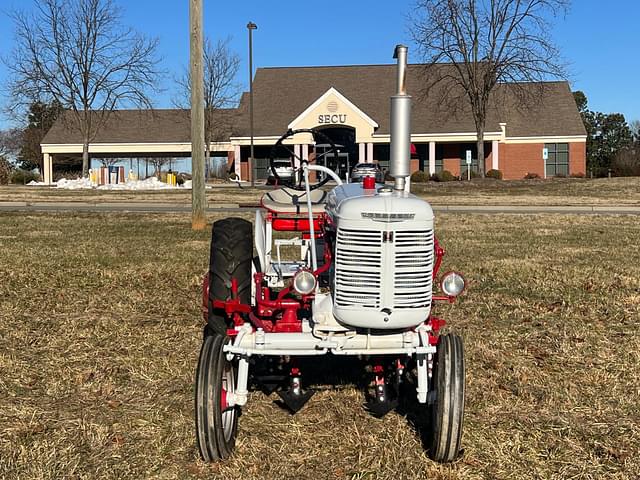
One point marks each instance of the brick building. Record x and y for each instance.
(351, 105)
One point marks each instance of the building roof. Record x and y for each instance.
(135, 126)
(283, 93)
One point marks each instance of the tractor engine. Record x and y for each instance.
(383, 258)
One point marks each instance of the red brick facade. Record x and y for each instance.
(577, 158)
(515, 160)
(519, 159)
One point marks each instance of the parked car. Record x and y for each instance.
(361, 170)
(284, 169)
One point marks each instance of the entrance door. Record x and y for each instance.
(344, 139)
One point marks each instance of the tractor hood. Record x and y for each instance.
(352, 203)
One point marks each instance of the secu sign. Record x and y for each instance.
(335, 118)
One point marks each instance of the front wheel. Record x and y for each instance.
(216, 422)
(447, 410)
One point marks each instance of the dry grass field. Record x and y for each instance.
(558, 191)
(100, 331)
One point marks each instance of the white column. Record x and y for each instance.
(495, 155)
(369, 152)
(296, 155)
(305, 152)
(48, 169)
(432, 158)
(362, 152)
(237, 160)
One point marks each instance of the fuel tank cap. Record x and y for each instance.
(385, 190)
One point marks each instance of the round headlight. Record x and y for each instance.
(452, 284)
(304, 282)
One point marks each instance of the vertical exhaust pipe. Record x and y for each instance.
(400, 123)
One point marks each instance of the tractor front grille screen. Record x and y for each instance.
(383, 269)
(358, 268)
(413, 266)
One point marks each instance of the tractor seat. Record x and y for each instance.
(290, 201)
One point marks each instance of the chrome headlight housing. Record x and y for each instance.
(304, 282)
(452, 284)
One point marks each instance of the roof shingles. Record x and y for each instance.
(282, 93)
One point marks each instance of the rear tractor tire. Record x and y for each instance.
(231, 257)
(216, 422)
(447, 411)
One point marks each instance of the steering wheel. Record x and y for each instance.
(296, 181)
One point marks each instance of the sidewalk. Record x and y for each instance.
(155, 207)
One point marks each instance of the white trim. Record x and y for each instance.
(237, 159)
(342, 98)
(548, 139)
(149, 147)
(432, 158)
(503, 128)
(48, 168)
(495, 155)
(439, 137)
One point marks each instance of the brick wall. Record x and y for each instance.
(451, 158)
(577, 158)
(520, 159)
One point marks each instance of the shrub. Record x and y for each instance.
(531, 175)
(22, 177)
(626, 163)
(443, 176)
(493, 173)
(577, 175)
(5, 171)
(419, 177)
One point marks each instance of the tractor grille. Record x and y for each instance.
(358, 268)
(413, 266)
(375, 269)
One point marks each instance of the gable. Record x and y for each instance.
(334, 109)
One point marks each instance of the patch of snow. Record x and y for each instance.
(151, 183)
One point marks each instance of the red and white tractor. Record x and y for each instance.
(362, 286)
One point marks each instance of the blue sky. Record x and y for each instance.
(598, 38)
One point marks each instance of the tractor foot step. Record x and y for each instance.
(295, 401)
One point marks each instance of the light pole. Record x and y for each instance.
(251, 27)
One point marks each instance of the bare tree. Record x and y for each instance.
(78, 53)
(10, 142)
(220, 91)
(487, 42)
(158, 163)
(635, 131)
(109, 161)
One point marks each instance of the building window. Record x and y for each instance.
(439, 157)
(558, 159)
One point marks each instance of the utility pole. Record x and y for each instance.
(198, 198)
(251, 27)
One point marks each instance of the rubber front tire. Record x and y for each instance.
(447, 412)
(230, 257)
(216, 426)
